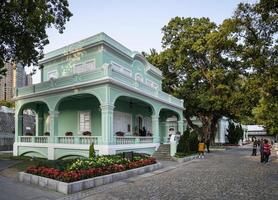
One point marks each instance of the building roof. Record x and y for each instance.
(95, 40)
(256, 128)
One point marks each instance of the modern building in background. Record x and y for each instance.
(15, 78)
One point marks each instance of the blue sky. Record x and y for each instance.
(135, 24)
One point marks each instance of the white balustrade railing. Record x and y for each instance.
(88, 140)
(65, 139)
(125, 140)
(145, 139)
(85, 139)
(25, 139)
(133, 140)
(41, 139)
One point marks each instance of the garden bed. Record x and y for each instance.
(82, 174)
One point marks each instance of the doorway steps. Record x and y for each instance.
(163, 152)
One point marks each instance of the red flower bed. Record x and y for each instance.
(71, 176)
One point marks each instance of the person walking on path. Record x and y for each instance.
(266, 151)
(201, 149)
(207, 144)
(255, 144)
(262, 150)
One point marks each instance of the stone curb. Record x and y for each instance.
(69, 188)
(185, 159)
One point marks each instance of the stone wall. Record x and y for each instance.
(7, 129)
(6, 142)
(7, 123)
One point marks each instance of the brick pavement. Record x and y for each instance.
(232, 174)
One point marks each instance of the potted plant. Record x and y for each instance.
(46, 134)
(87, 133)
(29, 134)
(69, 133)
(120, 133)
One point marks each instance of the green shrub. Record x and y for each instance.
(193, 141)
(56, 164)
(235, 133)
(188, 142)
(183, 146)
(92, 152)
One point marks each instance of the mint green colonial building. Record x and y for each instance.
(100, 86)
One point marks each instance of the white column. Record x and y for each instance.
(39, 124)
(53, 125)
(107, 123)
(18, 126)
(155, 128)
(180, 126)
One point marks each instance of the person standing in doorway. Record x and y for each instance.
(266, 151)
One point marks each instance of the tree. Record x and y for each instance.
(8, 104)
(228, 69)
(235, 133)
(23, 28)
(202, 73)
(255, 28)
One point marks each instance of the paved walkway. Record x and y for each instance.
(13, 190)
(232, 174)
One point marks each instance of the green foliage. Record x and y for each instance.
(198, 69)
(188, 142)
(99, 161)
(92, 152)
(266, 113)
(8, 104)
(228, 69)
(23, 29)
(193, 141)
(56, 164)
(256, 26)
(235, 133)
(183, 146)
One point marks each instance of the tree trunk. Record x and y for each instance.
(196, 128)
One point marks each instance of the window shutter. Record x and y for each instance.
(84, 121)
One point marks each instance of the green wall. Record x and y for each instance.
(68, 115)
(64, 65)
(134, 109)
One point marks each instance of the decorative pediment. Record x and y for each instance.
(149, 68)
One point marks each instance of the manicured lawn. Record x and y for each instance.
(23, 163)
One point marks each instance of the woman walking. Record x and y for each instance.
(266, 151)
(201, 149)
